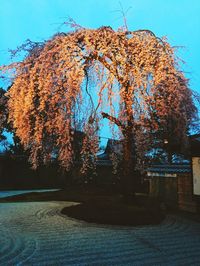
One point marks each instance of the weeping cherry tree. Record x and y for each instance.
(131, 78)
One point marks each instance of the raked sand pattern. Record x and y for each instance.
(35, 233)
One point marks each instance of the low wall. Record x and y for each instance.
(176, 192)
(16, 173)
(186, 199)
(165, 188)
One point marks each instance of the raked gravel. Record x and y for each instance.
(35, 233)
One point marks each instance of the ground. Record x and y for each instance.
(103, 205)
(36, 233)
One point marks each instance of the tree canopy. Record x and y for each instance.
(131, 78)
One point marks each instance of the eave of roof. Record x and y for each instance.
(183, 168)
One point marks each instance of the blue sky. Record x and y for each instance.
(37, 20)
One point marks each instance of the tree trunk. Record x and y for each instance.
(128, 178)
(129, 161)
(128, 182)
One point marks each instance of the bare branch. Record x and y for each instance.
(113, 119)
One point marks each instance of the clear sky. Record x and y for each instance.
(37, 20)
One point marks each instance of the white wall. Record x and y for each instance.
(196, 175)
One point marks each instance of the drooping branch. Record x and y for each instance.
(86, 88)
(115, 120)
(148, 32)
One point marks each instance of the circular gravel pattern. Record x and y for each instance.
(35, 233)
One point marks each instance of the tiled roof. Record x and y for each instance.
(174, 168)
(160, 168)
